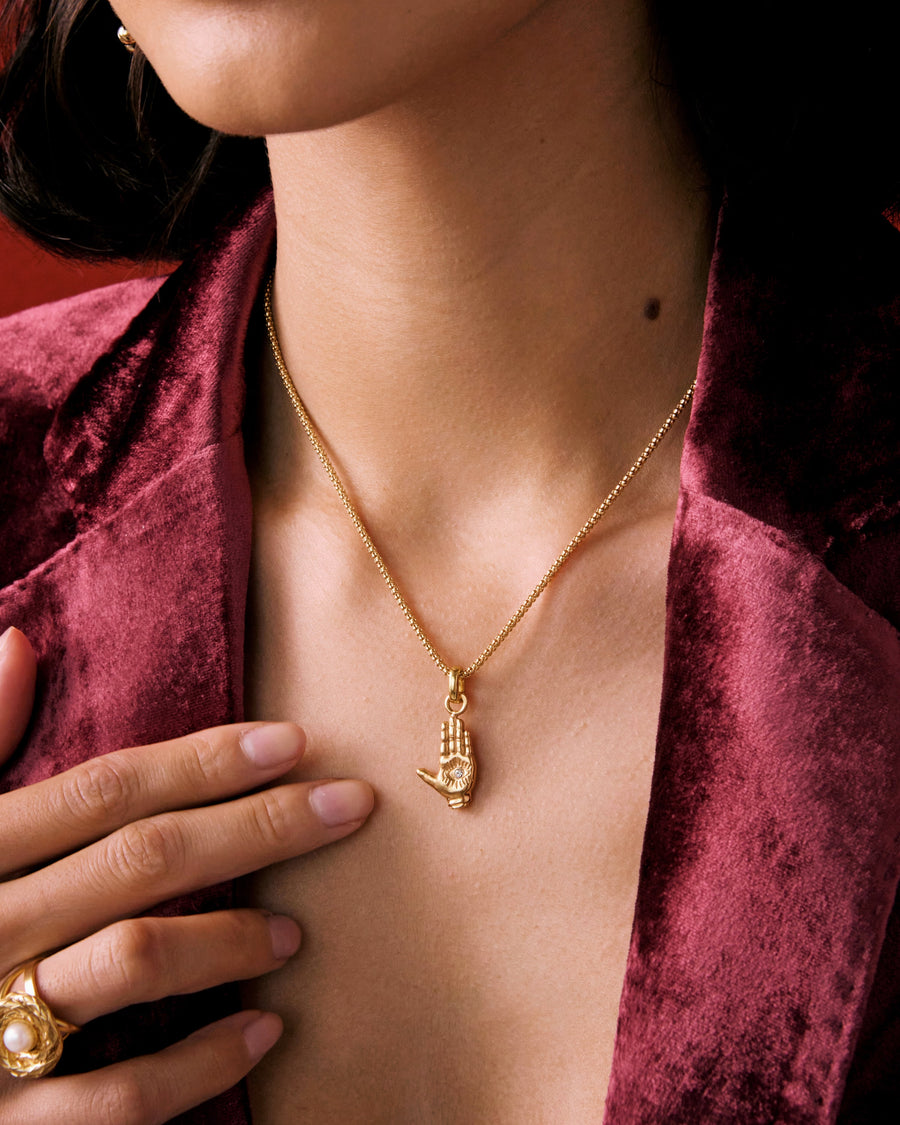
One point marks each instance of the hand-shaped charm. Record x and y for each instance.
(456, 777)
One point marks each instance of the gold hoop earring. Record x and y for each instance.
(127, 40)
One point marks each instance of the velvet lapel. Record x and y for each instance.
(145, 605)
(138, 621)
(769, 865)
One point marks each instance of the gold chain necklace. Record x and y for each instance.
(455, 778)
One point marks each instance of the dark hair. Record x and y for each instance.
(96, 160)
(789, 107)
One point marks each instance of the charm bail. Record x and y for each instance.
(457, 683)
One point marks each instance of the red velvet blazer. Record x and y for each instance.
(763, 982)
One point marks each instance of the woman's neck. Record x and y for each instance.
(463, 277)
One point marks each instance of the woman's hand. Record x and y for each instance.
(118, 834)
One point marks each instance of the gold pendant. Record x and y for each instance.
(455, 779)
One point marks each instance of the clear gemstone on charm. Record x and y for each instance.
(19, 1036)
(457, 773)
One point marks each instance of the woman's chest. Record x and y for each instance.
(458, 965)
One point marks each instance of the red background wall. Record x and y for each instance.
(29, 276)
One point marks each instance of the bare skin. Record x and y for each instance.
(461, 966)
(476, 204)
(461, 288)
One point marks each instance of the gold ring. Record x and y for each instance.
(31, 1037)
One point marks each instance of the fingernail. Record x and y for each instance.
(285, 934)
(262, 1034)
(4, 640)
(274, 744)
(340, 802)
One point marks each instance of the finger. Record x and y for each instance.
(162, 857)
(153, 1089)
(145, 959)
(56, 816)
(18, 670)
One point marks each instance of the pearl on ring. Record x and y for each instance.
(19, 1037)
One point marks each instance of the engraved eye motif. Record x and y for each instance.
(456, 773)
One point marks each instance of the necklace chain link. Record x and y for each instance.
(580, 535)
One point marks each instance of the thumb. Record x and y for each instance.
(18, 669)
(433, 780)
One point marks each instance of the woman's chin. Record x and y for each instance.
(290, 70)
(247, 109)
